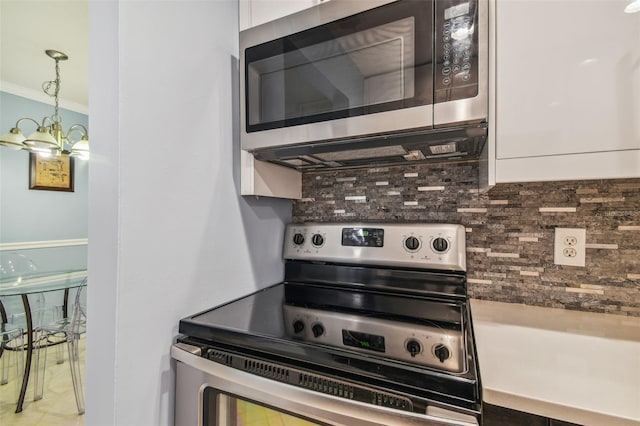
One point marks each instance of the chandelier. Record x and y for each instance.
(49, 138)
(633, 6)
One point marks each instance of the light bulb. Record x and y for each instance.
(633, 6)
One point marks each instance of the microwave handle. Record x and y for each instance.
(326, 408)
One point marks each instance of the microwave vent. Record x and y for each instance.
(359, 154)
(436, 145)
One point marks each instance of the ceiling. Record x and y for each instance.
(27, 29)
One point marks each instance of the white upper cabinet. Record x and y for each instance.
(257, 177)
(567, 90)
(256, 12)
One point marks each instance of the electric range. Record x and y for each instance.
(375, 314)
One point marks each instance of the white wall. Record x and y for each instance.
(169, 233)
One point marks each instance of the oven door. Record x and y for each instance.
(212, 394)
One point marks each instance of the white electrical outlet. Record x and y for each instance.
(569, 246)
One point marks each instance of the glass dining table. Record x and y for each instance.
(41, 282)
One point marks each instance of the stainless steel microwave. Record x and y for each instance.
(360, 82)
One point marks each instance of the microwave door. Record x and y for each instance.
(461, 74)
(364, 74)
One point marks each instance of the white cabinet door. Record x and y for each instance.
(567, 82)
(256, 12)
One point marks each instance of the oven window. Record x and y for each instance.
(375, 61)
(220, 409)
(249, 414)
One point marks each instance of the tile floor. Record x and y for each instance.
(58, 404)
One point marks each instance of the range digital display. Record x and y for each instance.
(363, 237)
(363, 340)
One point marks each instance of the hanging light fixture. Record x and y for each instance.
(49, 137)
(633, 6)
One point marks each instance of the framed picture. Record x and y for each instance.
(51, 173)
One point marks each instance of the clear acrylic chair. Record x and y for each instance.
(13, 267)
(11, 354)
(67, 330)
(39, 312)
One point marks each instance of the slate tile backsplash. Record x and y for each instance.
(510, 228)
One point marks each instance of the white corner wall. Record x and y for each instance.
(169, 234)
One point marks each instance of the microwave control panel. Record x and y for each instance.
(456, 73)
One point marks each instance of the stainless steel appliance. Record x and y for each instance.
(371, 326)
(352, 82)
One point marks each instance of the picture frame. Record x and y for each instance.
(51, 173)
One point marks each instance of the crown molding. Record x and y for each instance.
(40, 96)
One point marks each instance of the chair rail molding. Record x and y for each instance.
(28, 245)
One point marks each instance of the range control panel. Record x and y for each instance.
(414, 343)
(426, 246)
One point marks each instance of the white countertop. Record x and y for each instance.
(579, 367)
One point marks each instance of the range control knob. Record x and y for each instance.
(412, 243)
(440, 245)
(298, 326)
(298, 239)
(317, 240)
(441, 352)
(317, 330)
(413, 347)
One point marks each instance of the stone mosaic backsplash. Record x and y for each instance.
(510, 228)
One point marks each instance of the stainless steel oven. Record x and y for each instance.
(371, 326)
(346, 73)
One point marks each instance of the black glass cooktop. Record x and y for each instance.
(254, 325)
(258, 314)
(261, 314)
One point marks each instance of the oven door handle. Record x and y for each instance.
(324, 408)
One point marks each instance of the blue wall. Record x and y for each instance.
(35, 215)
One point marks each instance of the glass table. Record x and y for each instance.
(41, 282)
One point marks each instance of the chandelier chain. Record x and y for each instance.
(55, 84)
